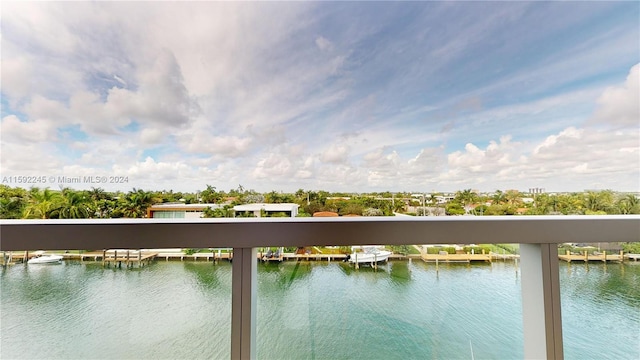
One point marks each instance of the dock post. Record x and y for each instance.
(26, 256)
(139, 257)
(104, 256)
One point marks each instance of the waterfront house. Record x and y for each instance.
(262, 209)
(179, 210)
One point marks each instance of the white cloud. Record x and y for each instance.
(494, 157)
(28, 159)
(324, 44)
(12, 130)
(274, 166)
(427, 164)
(620, 105)
(218, 146)
(547, 149)
(335, 154)
(152, 136)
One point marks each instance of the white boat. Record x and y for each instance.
(41, 258)
(370, 254)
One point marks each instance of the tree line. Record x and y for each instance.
(67, 203)
(512, 202)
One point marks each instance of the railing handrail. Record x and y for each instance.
(85, 234)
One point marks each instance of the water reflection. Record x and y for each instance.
(400, 272)
(206, 275)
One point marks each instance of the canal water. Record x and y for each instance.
(308, 310)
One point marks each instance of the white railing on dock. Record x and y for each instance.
(538, 236)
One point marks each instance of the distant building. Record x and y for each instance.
(536, 191)
(258, 209)
(179, 210)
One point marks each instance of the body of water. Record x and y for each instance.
(308, 310)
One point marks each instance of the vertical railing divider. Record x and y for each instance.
(542, 318)
(243, 303)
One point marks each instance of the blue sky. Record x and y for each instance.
(340, 96)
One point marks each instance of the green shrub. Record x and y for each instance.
(631, 247)
(437, 249)
(477, 249)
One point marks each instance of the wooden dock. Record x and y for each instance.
(634, 257)
(129, 258)
(208, 256)
(15, 257)
(586, 257)
(460, 258)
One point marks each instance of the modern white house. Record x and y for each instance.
(179, 210)
(260, 208)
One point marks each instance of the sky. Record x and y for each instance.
(336, 96)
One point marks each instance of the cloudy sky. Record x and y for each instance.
(338, 96)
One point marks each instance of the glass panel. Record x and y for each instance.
(169, 214)
(600, 303)
(82, 310)
(314, 306)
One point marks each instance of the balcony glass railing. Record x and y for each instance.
(459, 307)
(537, 282)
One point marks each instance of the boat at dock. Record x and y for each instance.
(41, 258)
(369, 254)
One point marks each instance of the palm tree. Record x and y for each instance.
(43, 204)
(629, 204)
(599, 201)
(498, 197)
(543, 204)
(136, 202)
(514, 198)
(466, 197)
(10, 208)
(12, 202)
(75, 205)
(210, 195)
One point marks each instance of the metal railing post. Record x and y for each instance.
(243, 303)
(542, 318)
